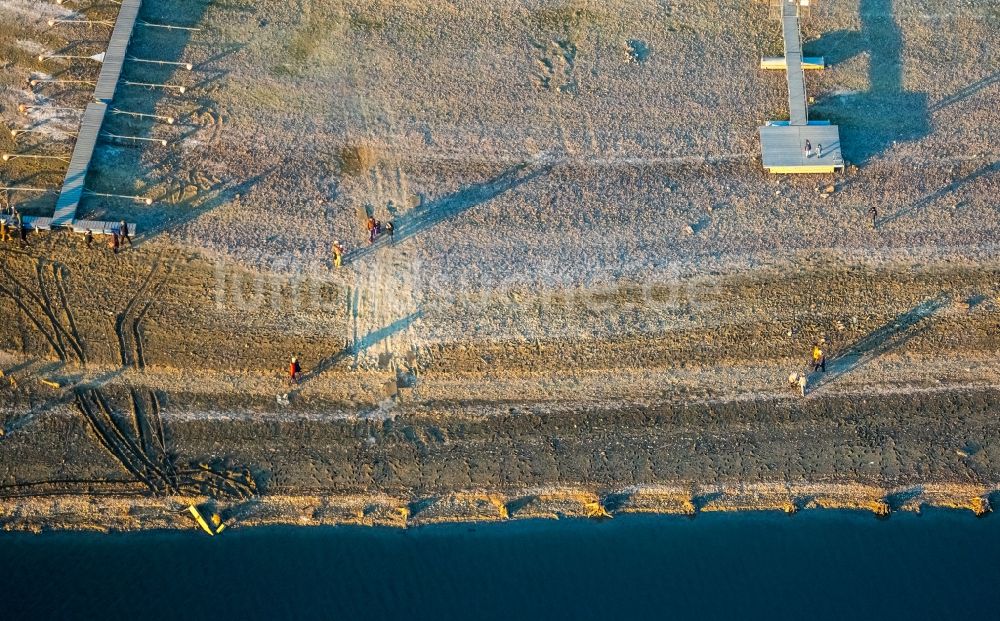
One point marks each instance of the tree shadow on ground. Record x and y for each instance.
(898, 500)
(700, 501)
(429, 214)
(966, 92)
(873, 121)
(518, 504)
(892, 335)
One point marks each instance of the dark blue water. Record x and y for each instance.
(815, 565)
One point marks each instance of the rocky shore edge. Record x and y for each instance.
(133, 513)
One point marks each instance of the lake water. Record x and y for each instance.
(814, 565)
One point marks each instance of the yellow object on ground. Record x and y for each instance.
(791, 170)
(201, 521)
(809, 63)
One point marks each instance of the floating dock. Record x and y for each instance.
(797, 145)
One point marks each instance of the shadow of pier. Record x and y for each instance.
(871, 122)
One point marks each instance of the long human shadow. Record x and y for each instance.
(892, 335)
(872, 121)
(358, 346)
(966, 92)
(429, 214)
(928, 200)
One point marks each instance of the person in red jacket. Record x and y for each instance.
(294, 370)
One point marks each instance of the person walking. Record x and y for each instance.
(390, 228)
(873, 212)
(819, 150)
(338, 254)
(114, 242)
(371, 230)
(22, 231)
(808, 149)
(294, 370)
(819, 358)
(803, 380)
(5, 235)
(123, 232)
(88, 238)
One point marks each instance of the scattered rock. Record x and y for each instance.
(962, 453)
(830, 189)
(981, 506)
(688, 230)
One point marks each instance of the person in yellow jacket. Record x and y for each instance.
(819, 358)
(5, 235)
(338, 254)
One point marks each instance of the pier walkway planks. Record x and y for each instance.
(93, 117)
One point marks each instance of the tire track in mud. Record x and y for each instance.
(156, 410)
(137, 440)
(134, 444)
(60, 337)
(68, 334)
(140, 451)
(56, 335)
(65, 487)
(46, 305)
(123, 317)
(34, 320)
(59, 272)
(109, 440)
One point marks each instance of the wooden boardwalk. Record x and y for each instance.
(783, 148)
(798, 111)
(114, 59)
(93, 117)
(79, 164)
(97, 227)
(797, 145)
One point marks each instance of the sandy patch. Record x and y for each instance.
(36, 9)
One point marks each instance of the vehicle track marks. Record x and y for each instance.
(59, 275)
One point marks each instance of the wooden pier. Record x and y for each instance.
(93, 119)
(79, 164)
(797, 145)
(114, 59)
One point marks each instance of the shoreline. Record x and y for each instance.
(90, 513)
